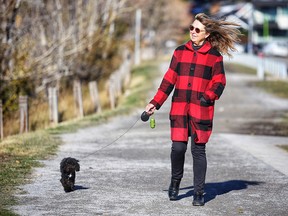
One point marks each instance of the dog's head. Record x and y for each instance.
(69, 164)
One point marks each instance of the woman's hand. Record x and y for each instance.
(150, 108)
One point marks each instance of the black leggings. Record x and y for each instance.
(198, 151)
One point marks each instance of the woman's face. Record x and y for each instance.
(198, 34)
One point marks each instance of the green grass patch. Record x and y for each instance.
(142, 82)
(276, 87)
(284, 128)
(239, 68)
(285, 147)
(20, 153)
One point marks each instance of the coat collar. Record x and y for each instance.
(204, 49)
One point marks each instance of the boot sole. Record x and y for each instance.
(198, 204)
(173, 198)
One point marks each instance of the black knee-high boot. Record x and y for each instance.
(174, 189)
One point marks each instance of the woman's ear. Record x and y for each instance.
(207, 35)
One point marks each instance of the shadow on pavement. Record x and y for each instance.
(79, 187)
(218, 188)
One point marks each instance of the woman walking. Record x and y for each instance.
(197, 74)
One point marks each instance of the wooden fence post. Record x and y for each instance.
(95, 96)
(112, 96)
(118, 81)
(53, 105)
(78, 98)
(1, 121)
(23, 107)
(127, 76)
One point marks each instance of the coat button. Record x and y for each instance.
(189, 84)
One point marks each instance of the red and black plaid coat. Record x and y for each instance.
(199, 79)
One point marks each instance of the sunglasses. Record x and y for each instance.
(197, 30)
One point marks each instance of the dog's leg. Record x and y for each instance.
(73, 176)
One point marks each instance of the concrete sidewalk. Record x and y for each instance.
(247, 175)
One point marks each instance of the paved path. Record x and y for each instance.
(247, 174)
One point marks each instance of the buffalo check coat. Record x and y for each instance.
(199, 79)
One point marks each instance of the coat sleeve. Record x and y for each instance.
(217, 84)
(167, 83)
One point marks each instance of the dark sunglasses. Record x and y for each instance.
(197, 30)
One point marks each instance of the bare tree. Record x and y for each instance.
(8, 13)
(42, 41)
(163, 20)
(63, 35)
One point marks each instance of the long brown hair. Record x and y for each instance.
(223, 34)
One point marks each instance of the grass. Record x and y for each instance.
(276, 87)
(238, 68)
(19, 154)
(285, 147)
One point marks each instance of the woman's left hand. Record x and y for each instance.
(150, 108)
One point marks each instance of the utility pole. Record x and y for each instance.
(137, 36)
(1, 121)
(250, 31)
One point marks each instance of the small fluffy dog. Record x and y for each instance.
(68, 168)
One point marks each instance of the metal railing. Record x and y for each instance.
(263, 65)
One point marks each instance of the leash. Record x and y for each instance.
(114, 141)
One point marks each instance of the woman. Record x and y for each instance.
(196, 71)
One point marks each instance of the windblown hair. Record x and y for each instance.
(223, 34)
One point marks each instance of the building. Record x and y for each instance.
(270, 21)
(264, 21)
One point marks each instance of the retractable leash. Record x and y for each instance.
(144, 117)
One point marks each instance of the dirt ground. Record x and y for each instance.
(252, 116)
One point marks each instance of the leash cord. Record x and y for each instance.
(114, 141)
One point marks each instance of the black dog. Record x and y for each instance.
(68, 168)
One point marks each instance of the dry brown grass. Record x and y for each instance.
(39, 110)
